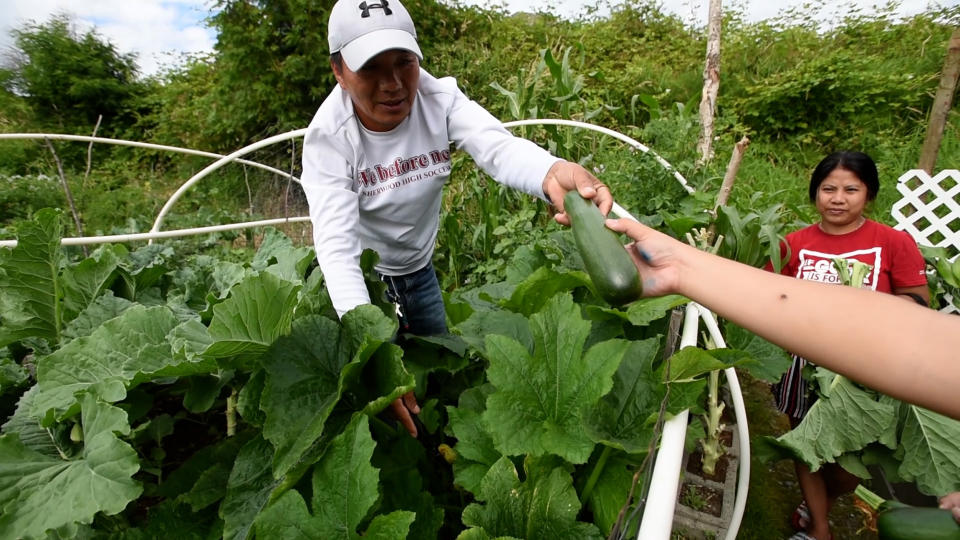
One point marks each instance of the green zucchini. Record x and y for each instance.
(610, 267)
(917, 523)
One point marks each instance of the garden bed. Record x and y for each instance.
(705, 502)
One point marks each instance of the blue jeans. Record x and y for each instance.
(421, 304)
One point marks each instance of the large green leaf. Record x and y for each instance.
(770, 362)
(646, 310)
(143, 268)
(203, 282)
(931, 451)
(105, 307)
(844, 419)
(49, 441)
(475, 450)
(249, 487)
(259, 310)
(124, 351)
(544, 505)
(610, 493)
(344, 490)
(85, 281)
(188, 341)
(308, 371)
(344, 481)
(622, 419)
(289, 518)
(483, 323)
(541, 397)
(29, 281)
(39, 492)
(302, 385)
(279, 256)
(531, 294)
(691, 362)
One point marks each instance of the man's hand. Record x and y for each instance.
(565, 176)
(402, 408)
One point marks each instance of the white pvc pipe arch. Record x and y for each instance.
(657, 520)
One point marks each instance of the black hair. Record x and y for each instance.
(337, 59)
(858, 163)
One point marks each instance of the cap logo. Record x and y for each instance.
(365, 8)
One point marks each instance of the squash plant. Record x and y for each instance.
(148, 395)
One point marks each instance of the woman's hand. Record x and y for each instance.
(657, 256)
(565, 176)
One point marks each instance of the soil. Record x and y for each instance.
(702, 498)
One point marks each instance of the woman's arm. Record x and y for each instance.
(900, 349)
(910, 292)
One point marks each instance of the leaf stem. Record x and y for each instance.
(595, 474)
(232, 413)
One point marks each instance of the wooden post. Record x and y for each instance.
(941, 104)
(732, 168)
(711, 83)
(726, 187)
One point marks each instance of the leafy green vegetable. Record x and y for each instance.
(542, 394)
(475, 449)
(40, 493)
(344, 490)
(622, 419)
(118, 355)
(259, 310)
(543, 505)
(30, 282)
(306, 374)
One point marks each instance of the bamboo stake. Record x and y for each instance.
(941, 104)
(66, 191)
(711, 83)
(86, 174)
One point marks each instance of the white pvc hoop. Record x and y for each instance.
(606, 131)
(124, 142)
(222, 160)
(657, 522)
(216, 165)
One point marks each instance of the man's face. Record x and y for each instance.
(383, 89)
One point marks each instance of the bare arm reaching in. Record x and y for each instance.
(892, 346)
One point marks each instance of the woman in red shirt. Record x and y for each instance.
(841, 186)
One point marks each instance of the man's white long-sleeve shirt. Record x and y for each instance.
(382, 190)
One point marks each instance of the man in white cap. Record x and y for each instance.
(377, 154)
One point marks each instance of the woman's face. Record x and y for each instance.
(383, 89)
(841, 199)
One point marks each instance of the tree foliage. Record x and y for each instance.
(70, 79)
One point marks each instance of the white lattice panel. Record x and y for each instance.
(928, 210)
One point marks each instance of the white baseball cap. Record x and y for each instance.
(362, 29)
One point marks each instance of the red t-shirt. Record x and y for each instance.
(894, 256)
